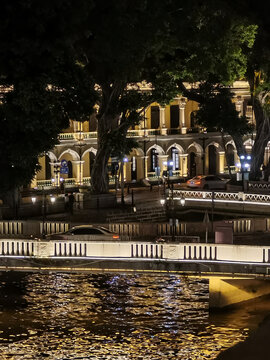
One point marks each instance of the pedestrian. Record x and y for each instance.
(71, 202)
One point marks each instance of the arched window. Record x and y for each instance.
(212, 158)
(91, 162)
(154, 159)
(133, 168)
(70, 172)
(175, 158)
(192, 164)
(230, 155)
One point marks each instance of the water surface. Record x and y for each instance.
(109, 316)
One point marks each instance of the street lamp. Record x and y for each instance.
(183, 201)
(124, 160)
(245, 161)
(53, 199)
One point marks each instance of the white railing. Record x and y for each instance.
(11, 227)
(17, 248)
(135, 250)
(219, 196)
(53, 227)
(258, 185)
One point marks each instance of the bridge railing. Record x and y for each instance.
(220, 196)
(17, 248)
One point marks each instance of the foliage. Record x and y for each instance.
(95, 51)
(41, 84)
(164, 43)
(218, 111)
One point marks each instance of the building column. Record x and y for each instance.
(163, 129)
(182, 120)
(145, 166)
(140, 167)
(221, 157)
(183, 165)
(78, 174)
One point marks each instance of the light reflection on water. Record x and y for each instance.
(106, 316)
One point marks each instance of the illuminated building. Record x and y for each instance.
(170, 142)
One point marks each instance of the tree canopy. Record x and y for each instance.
(40, 82)
(97, 51)
(165, 43)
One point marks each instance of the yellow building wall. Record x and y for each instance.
(41, 174)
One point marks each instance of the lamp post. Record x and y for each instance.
(124, 160)
(245, 161)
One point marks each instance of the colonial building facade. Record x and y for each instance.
(170, 142)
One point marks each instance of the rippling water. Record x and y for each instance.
(106, 316)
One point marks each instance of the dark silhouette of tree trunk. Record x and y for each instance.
(108, 120)
(262, 134)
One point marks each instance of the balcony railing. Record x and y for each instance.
(131, 133)
(66, 136)
(47, 184)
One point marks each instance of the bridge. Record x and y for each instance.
(236, 272)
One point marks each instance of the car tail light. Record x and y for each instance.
(115, 236)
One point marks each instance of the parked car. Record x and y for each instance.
(207, 182)
(85, 233)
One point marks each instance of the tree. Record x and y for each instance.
(59, 68)
(41, 84)
(217, 111)
(258, 76)
(179, 42)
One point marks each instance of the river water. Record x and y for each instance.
(115, 317)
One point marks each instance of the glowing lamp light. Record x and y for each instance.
(53, 199)
(171, 163)
(34, 199)
(164, 162)
(248, 157)
(125, 159)
(162, 201)
(246, 165)
(53, 180)
(242, 157)
(183, 201)
(238, 165)
(61, 179)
